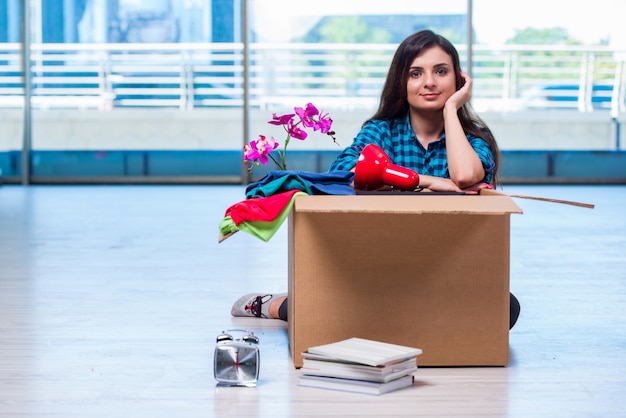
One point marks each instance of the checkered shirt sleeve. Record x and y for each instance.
(397, 139)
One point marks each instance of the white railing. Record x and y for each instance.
(344, 76)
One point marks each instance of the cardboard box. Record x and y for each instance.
(422, 270)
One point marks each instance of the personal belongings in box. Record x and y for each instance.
(269, 200)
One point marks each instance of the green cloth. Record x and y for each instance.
(227, 227)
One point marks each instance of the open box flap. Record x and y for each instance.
(416, 203)
(489, 192)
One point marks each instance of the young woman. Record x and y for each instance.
(424, 122)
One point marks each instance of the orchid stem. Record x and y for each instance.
(279, 165)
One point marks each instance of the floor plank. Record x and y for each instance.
(111, 298)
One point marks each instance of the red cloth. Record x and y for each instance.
(261, 208)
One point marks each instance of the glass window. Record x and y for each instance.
(152, 90)
(11, 90)
(548, 61)
(335, 55)
(137, 89)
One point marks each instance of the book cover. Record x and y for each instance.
(369, 352)
(356, 386)
(351, 370)
(381, 367)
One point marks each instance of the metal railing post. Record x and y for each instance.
(26, 74)
(245, 176)
(470, 37)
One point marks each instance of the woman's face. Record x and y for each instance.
(431, 80)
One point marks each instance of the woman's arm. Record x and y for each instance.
(464, 166)
(440, 184)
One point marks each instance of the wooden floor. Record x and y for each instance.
(111, 298)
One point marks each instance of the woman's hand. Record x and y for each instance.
(477, 188)
(438, 184)
(462, 95)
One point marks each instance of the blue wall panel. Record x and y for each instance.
(520, 164)
(193, 163)
(604, 165)
(517, 166)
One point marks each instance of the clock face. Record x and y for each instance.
(236, 363)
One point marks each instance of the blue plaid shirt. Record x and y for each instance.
(397, 139)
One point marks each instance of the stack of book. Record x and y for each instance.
(359, 365)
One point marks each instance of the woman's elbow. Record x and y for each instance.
(467, 180)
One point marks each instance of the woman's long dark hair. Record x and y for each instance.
(393, 99)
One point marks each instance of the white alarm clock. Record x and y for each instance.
(236, 361)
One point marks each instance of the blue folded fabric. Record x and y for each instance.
(332, 182)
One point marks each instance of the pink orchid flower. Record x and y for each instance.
(324, 123)
(294, 131)
(282, 119)
(260, 151)
(307, 115)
